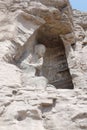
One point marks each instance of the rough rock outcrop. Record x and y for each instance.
(43, 69)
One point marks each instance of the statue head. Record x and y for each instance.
(40, 50)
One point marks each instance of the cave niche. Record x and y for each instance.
(55, 66)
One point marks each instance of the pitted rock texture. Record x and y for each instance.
(42, 41)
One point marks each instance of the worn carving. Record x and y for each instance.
(43, 48)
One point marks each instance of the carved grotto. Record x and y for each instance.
(55, 66)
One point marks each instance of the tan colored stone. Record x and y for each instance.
(49, 35)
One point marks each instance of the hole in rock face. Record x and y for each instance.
(55, 67)
(21, 115)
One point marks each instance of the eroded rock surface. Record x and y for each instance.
(43, 69)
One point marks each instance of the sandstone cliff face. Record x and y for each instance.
(43, 69)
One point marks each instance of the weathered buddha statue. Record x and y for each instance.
(34, 60)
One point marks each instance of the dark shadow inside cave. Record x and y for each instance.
(55, 66)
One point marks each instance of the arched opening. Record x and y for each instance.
(55, 66)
